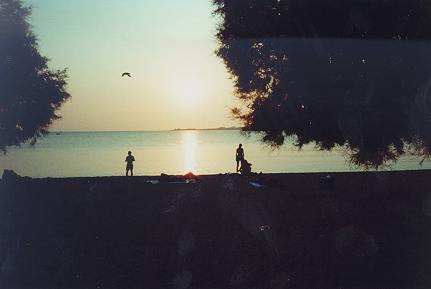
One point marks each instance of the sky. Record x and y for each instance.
(167, 46)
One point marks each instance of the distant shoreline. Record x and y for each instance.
(167, 130)
(218, 128)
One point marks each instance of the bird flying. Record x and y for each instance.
(126, 73)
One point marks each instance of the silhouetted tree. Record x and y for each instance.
(30, 93)
(353, 74)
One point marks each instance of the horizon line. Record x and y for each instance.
(150, 130)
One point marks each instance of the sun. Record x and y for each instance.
(187, 90)
(187, 93)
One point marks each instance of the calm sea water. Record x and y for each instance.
(173, 152)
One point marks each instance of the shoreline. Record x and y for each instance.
(253, 175)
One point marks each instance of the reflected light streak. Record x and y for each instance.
(189, 144)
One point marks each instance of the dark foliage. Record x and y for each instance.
(30, 93)
(350, 74)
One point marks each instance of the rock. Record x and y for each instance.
(351, 240)
(10, 176)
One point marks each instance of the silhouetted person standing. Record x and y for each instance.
(239, 156)
(129, 167)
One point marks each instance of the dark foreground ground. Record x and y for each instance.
(370, 231)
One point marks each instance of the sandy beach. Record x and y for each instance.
(368, 230)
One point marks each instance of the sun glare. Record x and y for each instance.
(189, 144)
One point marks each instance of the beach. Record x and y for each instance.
(299, 230)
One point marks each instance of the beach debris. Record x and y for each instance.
(264, 228)
(257, 185)
(327, 182)
(190, 175)
(153, 182)
(188, 178)
(167, 178)
(126, 74)
(186, 243)
(182, 280)
(351, 240)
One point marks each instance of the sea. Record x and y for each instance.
(87, 154)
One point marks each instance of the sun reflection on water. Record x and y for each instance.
(189, 143)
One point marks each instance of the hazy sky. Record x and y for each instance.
(168, 47)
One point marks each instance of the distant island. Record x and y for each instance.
(218, 128)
